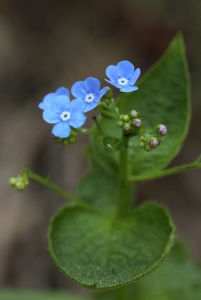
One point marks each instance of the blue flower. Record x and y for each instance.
(89, 91)
(123, 76)
(64, 114)
(47, 100)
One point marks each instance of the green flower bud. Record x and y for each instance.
(127, 126)
(65, 142)
(126, 118)
(120, 123)
(108, 94)
(12, 181)
(72, 140)
(133, 113)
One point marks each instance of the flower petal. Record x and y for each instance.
(128, 89)
(61, 129)
(134, 77)
(62, 91)
(113, 83)
(125, 69)
(78, 90)
(92, 85)
(51, 116)
(77, 106)
(77, 120)
(47, 100)
(90, 106)
(61, 103)
(112, 73)
(100, 94)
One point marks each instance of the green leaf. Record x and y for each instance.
(101, 252)
(162, 98)
(177, 279)
(15, 294)
(99, 188)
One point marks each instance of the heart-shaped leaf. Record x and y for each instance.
(99, 251)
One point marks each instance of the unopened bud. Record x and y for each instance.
(154, 143)
(12, 181)
(162, 129)
(133, 113)
(65, 142)
(126, 118)
(120, 123)
(127, 126)
(72, 140)
(137, 122)
(108, 94)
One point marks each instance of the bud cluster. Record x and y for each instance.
(150, 141)
(71, 139)
(130, 123)
(20, 182)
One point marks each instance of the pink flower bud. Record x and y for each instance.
(137, 122)
(154, 143)
(162, 129)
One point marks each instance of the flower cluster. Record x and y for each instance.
(20, 182)
(59, 110)
(149, 141)
(130, 123)
(65, 114)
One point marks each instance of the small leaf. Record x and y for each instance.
(101, 252)
(15, 294)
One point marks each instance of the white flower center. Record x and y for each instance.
(89, 98)
(122, 81)
(65, 116)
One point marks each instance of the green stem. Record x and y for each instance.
(106, 113)
(50, 185)
(90, 132)
(114, 107)
(165, 172)
(122, 103)
(45, 181)
(125, 191)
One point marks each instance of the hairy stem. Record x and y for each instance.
(122, 103)
(125, 189)
(165, 172)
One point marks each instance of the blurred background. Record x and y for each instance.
(45, 44)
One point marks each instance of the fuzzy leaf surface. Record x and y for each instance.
(99, 188)
(101, 252)
(177, 279)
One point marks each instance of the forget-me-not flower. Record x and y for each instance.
(123, 76)
(89, 91)
(47, 100)
(64, 114)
